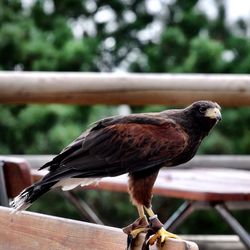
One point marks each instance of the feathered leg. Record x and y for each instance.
(140, 188)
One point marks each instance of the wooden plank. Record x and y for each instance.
(199, 161)
(191, 184)
(111, 88)
(216, 242)
(32, 231)
(196, 184)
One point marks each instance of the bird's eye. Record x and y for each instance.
(202, 109)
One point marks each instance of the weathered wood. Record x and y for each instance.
(32, 231)
(216, 242)
(192, 184)
(110, 88)
(17, 175)
(199, 161)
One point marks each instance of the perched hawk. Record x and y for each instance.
(137, 144)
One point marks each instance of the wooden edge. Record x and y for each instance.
(222, 242)
(31, 231)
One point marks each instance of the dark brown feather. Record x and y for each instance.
(131, 144)
(120, 148)
(138, 144)
(140, 187)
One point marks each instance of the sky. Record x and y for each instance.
(235, 8)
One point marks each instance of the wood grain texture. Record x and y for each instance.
(33, 231)
(110, 88)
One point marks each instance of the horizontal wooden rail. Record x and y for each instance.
(114, 88)
(218, 242)
(199, 161)
(32, 231)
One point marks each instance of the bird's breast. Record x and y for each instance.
(188, 153)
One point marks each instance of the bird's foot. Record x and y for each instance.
(134, 233)
(162, 235)
(159, 233)
(137, 227)
(134, 229)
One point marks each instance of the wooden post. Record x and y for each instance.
(32, 231)
(111, 88)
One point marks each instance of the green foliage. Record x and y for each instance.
(205, 56)
(66, 35)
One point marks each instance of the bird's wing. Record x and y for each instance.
(120, 145)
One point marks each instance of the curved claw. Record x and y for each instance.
(134, 233)
(162, 235)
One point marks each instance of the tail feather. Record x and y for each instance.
(29, 195)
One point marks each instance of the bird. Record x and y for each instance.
(136, 144)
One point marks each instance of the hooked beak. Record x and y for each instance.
(213, 113)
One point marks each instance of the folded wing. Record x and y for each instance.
(119, 145)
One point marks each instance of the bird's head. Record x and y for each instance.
(205, 114)
(206, 110)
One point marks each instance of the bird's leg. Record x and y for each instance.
(143, 222)
(157, 227)
(140, 210)
(138, 226)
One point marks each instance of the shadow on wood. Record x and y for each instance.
(32, 231)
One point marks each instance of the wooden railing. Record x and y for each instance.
(35, 231)
(111, 88)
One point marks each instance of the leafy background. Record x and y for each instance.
(117, 35)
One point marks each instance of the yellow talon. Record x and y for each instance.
(162, 235)
(137, 231)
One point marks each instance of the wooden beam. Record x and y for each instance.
(112, 88)
(31, 231)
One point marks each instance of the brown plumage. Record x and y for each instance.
(138, 144)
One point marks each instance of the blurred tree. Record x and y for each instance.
(137, 36)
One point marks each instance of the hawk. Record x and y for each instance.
(137, 144)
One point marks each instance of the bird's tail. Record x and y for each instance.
(29, 195)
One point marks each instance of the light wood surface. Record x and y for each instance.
(114, 88)
(31, 231)
(192, 184)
